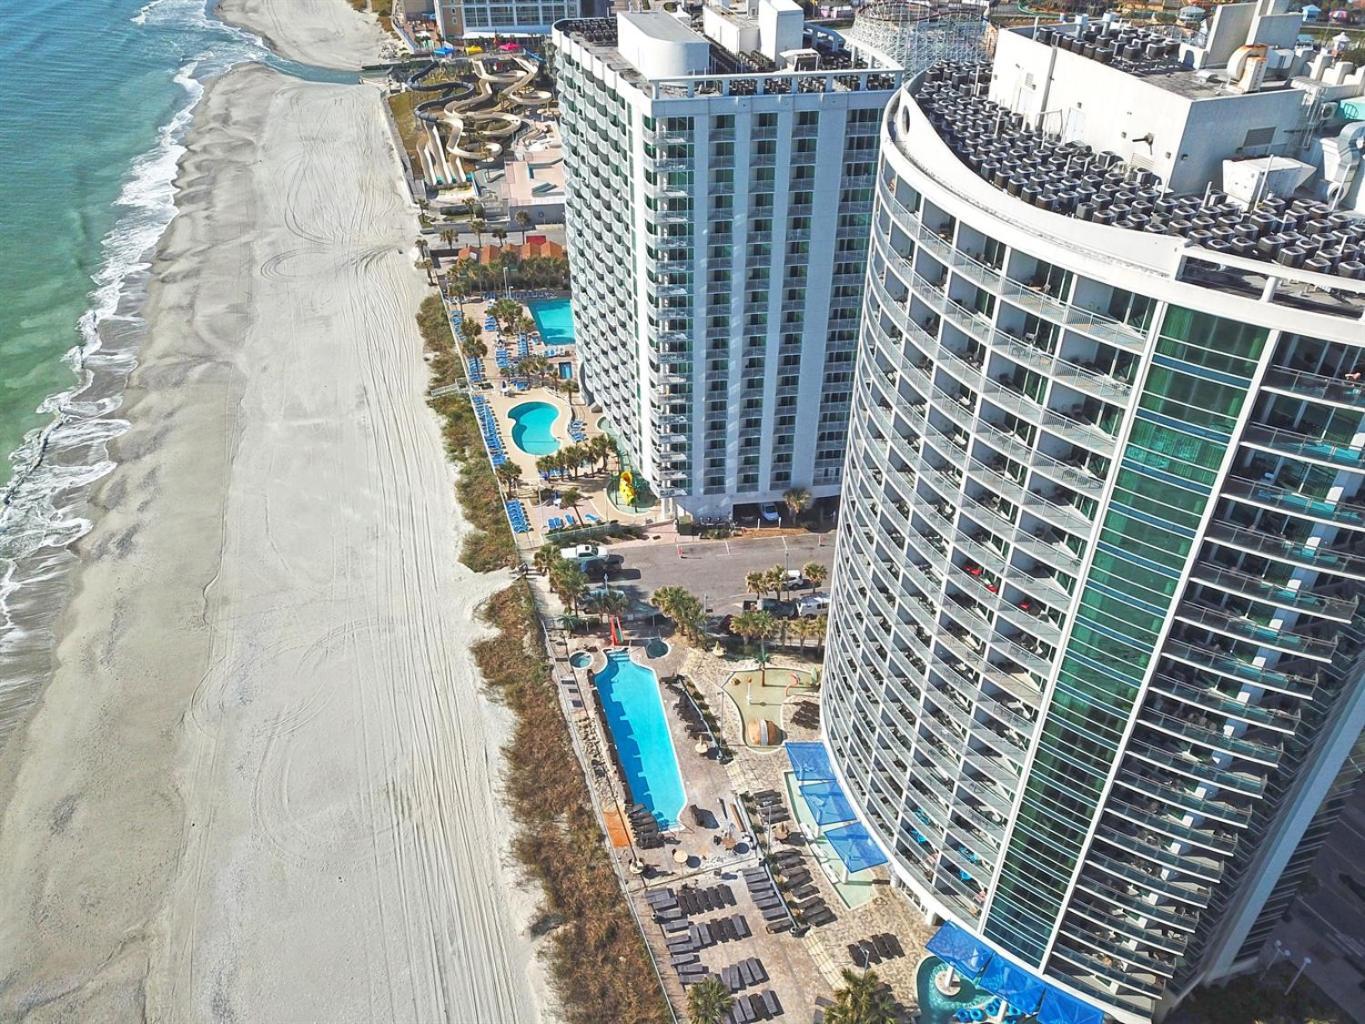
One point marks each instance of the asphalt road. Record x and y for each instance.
(715, 570)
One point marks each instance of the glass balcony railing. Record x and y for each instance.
(1184, 798)
(1312, 385)
(1209, 735)
(1304, 446)
(1193, 893)
(1308, 601)
(1157, 749)
(1221, 841)
(1342, 512)
(1130, 926)
(1275, 546)
(1236, 668)
(1210, 698)
(1256, 632)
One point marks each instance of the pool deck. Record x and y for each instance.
(502, 397)
(768, 695)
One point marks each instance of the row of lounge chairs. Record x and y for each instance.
(578, 430)
(768, 900)
(476, 372)
(748, 1009)
(803, 896)
(488, 426)
(690, 715)
(516, 516)
(807, 715)
(646, 827)
(745, 974)
(875, 949)
(771, 809)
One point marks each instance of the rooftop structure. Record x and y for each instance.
(1095, 667)
(719, 173)
(916, 33)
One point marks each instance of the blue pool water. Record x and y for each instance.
(635, 713)
(531, 423)
(554, 320)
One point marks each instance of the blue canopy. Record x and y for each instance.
(444, 51)
(1013, 984)
(810, 761)
(855, 847)
(827, 802)
(960, 949)
(1060, 1008)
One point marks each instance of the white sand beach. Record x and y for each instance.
(260, 787)
(326, 33)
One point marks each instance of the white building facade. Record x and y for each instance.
(458, 18)
(1095, 665)
(719, 201)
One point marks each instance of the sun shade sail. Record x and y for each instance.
(1060, 1008)
(1013, 984)
(827, 803)
(855, 847)
(810, 761)
(961, 949)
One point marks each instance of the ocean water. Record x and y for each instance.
(97, 96)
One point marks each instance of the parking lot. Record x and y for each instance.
(714, 570)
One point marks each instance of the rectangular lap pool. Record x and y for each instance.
(635, 714)
(554, 320)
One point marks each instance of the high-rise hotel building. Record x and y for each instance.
(1094, 676)
(719, 176)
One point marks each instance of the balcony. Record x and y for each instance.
(1078, 432)
(1210, 698)
(1304, 446)
(1106, 329)
(1243, 671)
(1185, 798)
(1219, 840)
(1128, 925)
(1192, 893)
(1207, 734)
(1053, 553)
(1159, 750)
(1319, 557)
(1343, 512)
(1110, 970)
(1131, 899)
(1244, 628)
(1312, 385)
(1310, 602)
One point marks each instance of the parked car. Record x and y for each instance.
(579, 551)
(778, 609)
(601, 568)
(812, 605)
(769, 512)
(796, 581)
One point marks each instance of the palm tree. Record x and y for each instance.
(568, 582)
(525, 324)
(608, 602)
(506, 312)
(756, 582)
(683, 607)
(448, 236)
(510, 475)
(818, 627)
(601, 448)
(709, 1001)
(863, 999)
(797, 500)
(777, 580)
(570, 498)
(546, 558)
(752, 626)
(524, 222)
(478, 225)
(815, 574)
(763, 658)
(500, 235)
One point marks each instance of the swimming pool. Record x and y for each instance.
(635, 714)
(554, 320)
(531, 423)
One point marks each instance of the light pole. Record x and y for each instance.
(1295, 980)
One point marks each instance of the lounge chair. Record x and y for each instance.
(770, 1002)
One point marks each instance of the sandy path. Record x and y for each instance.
(258, 789)
(326, 33)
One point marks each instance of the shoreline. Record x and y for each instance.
(325, 33)
(161, 690)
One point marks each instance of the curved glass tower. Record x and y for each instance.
(1094, 671)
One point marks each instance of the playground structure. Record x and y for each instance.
(474, 113)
